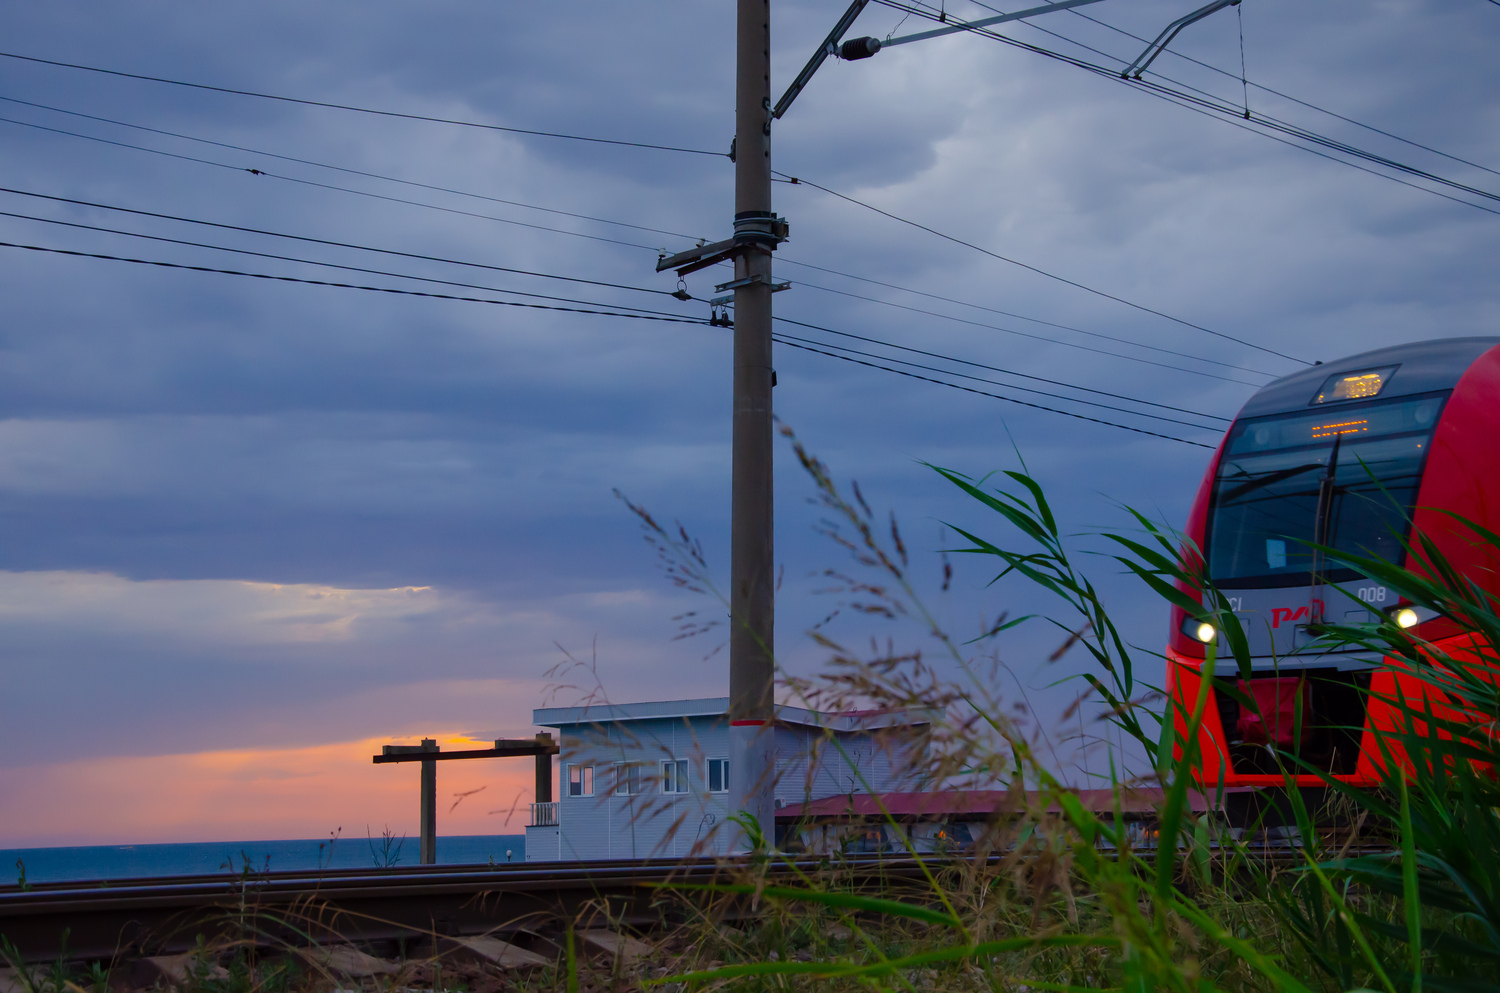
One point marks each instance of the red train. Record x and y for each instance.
(1348, 454)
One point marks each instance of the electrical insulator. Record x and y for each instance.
(859, 48)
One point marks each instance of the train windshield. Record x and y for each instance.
(1345, 477)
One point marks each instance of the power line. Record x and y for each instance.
(1062, 279)
(1221, 110)
(330, 186)
(359, 110)
(1035, 337)
(1010, 372)
(330, 166)
(1207, 110)
(591, 303)
(495, 199)
(1005, 313)
(324, 241)
(568, 213)
(1218, 106)
(789, 339)
(361, 269)
(1279, 93)
(353, 286)
(373, 175)
(1302, 133)
(326, 265)
(996, 396)
(576, 310)
(260, 172)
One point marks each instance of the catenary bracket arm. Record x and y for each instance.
(824, 50)
(982, 22)
(1165, 38)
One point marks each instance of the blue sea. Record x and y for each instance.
(54, 865)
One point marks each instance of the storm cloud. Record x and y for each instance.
(245, 514)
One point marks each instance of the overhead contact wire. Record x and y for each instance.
(575, 310)
(1220, 109)
(326, 165)
(327, 265)
(1042, 338)
(260, 172)
(1008, 372)
(352, 286)
(592, 303)
(1042, 272)
(1285, 96)
(1007, 313)
(325, 241)
(330, 186)
(782, 336)
(356, 109)
(996, 396)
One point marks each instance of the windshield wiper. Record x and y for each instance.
(1274, 477)
(1322, 526)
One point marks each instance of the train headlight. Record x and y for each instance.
(1200, 631)
(1410, 615)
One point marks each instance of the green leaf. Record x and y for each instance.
(848, 901)
(1410, 896)
(953, 953)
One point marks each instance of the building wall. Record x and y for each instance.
(813, 764)
(543, 844)
(649, 823)
(654, 824)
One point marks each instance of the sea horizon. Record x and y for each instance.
(72, 863)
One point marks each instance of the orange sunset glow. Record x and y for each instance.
(253, 794)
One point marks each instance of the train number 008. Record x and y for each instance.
(1372, 594)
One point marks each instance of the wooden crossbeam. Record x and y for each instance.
(504, 748)
(429, 754)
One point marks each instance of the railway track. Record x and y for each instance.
(110, 919)
(116, 919)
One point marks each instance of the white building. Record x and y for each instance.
(646, 780)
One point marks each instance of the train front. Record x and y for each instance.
(1351, 455)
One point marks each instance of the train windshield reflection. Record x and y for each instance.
(1363, 463)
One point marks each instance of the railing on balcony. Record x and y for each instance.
(543, 814)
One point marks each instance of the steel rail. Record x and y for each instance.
(116, 919)
(111, 919)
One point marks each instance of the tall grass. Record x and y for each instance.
(1059, 896)
(1056, 894)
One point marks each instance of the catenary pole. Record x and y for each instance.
(752, 562)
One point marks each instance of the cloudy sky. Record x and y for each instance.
(251, 529)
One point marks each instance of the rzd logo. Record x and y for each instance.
(1279, 614)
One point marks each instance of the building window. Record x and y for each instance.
(674, 776)
(718, 775)
(627, 778)
(580, 780)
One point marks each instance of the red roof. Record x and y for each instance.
(967, 804)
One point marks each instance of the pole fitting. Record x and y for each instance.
(759, 227)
